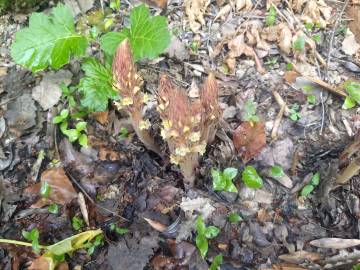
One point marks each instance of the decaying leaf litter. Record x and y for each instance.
(280, 68)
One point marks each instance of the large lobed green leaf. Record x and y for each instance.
(149, 36)
(96, 86)
(48, 41)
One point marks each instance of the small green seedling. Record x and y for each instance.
(299, 44)
(53, 208)
(216, 262)
(271, 61)
(315, 180)
(251, 178)
(123, 133)
(271, 17)
(91, 246)
(204, 233)
(77, 223)
(194, 46)
(353, 90)
(118, 230)
(223, 181)
(309, 26)
(68, 95)
(250, 111)
(64, 114)
(289, 67)
(33, 237)
(311, 99)
(115, 5)
(234, 217)
(276, 172)
(77, 133)
(294, 114)
(45, 190)
(356, 267)
(317, 38)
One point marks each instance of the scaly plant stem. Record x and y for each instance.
(352, 169)
(21, 243)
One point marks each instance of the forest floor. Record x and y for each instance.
(138, 198)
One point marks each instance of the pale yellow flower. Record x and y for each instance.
(144, 124)
(182, 151)
(194, 137)
(126, 101)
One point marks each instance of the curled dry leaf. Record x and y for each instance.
(62, 192)
(336, 243)
(300, 256)
(317, 12)
(240, 5)
(249, 138)
(156, 225)
(195, 10)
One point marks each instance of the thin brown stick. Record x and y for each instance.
(332, 38)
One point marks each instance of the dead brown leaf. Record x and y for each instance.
(101, 117)
(42, 263)
(249, 138)
(290, 76)
(195, 10)
(240, 5)
(156, 225)
(62, 191)
(156, 3)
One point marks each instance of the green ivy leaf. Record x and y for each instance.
(72, 134)
(110, 41)
(202, 244)
(251, 178)
(299, 43)
(353, 89)
(307, 190)
(83, 140)
(149, 36)
(211, 232)
(219, 182)
(96, 86)
(81, 126)
(48, 41)
(276, 172)
(200, 225)
(315, 180)
(53, 208)
(233, 217)
(216, 262)
(348, 103)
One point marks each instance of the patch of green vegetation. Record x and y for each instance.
(353, 90)
(223, 181)
(203, 233)
(234, 217)
(294, 112)
(276, 172)
(315, 180)
(271, 17)
(216, 262)
(77, 223)
(250, 111)
(251, 178)
(33, 237)
(299, 44)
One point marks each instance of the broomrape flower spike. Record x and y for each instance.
(127, 82)
(188, 126)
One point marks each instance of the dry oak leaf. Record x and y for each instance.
(245, 5)
(62, 192)
(101, 117)
(249, 138)
(195, 10)
(317, 12)
(300, 256)
(280, 33)
(156, 3)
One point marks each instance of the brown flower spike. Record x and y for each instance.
(188, 126)
(128, 83)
